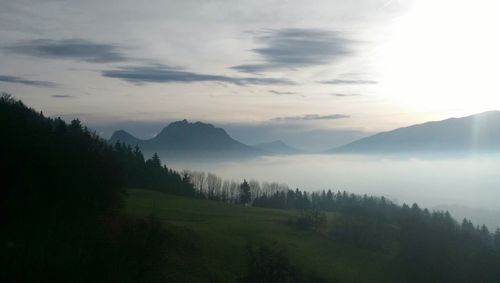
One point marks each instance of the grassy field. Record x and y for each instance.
(222, 231)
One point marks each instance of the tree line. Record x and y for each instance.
(61, 201)
(213, 187)
(424, 246)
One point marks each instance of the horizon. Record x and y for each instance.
(134, 130)
(331, 70)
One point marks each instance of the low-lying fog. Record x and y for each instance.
(455, 184)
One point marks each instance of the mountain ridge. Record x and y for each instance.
(277, 147)
(473, 133)
(186, 140)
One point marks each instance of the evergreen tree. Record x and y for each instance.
(245, 195)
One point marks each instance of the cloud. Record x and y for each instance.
(282, 92)
(294, 48)
(165, 74)
(350, 82)
(343, 94)
(19, 80)
(74, 49)
(310, 117)
(62, 96)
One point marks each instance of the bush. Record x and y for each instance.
(311, 219)
(271, 265)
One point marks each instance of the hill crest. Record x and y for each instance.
(474, 133)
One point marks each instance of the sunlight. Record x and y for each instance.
(250, 141)
(442, 58)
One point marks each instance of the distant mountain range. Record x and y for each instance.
(471, 134)
(200, 141)
(277, 147)
(185, 140)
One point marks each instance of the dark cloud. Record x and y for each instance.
(349, 82)
(19, 80)
(75, 49)
(62, 96)
(282, 92)
(165, 74)
(343, 94)
(309, 117)
(294, 48)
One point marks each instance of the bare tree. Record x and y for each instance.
(226, 188)
(254, 188)
(214, 184)
(234, 189)
(198, 179)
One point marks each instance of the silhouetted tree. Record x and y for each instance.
(245, 196)
(61, 199)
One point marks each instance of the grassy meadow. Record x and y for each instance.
(220, 232)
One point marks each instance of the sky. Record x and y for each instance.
(315, 74)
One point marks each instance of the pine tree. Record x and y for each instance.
(245, 195)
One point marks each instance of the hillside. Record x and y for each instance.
(61, 193)
(277, 147)
(471, 134)
(388, 243)
(185, 140)
(64, 220)
(224, 230)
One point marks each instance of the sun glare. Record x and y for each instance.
(442, 57)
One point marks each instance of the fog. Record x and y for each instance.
(471, 182)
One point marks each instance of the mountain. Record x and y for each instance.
(195, 141)
(471, 134)
(124, 137)
(277, 147)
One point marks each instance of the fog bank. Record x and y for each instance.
(466, 181)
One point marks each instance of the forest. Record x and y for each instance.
(63, 217)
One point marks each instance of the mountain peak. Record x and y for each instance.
(183, 122)
(186, 129)
(124, 137)
(183, 139)
(186, 124)
(121, 134)
(277, 147)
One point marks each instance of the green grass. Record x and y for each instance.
(222, 232)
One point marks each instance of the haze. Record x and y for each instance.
(454, 183)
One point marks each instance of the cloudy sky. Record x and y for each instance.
(313, 73)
